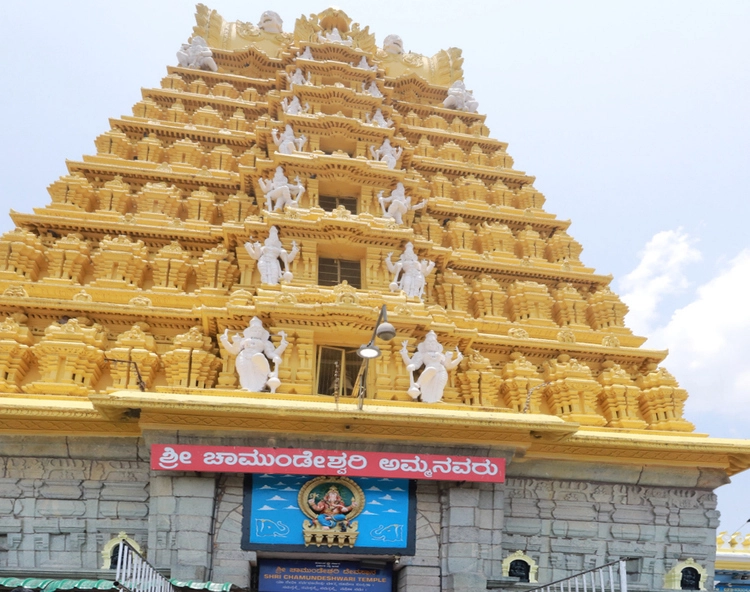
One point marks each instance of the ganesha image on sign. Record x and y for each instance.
(332, 503)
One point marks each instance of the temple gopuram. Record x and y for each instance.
(299, 324)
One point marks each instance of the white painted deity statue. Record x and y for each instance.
(397, 204)
(460, 99)
(393, 44)
(334, 36)
(372, 90)
(387, 153)
(378, 119)
(197, 55)
(270, 22)
(364, 65)
(279, 192)
(253, 350)
(294, 107)
(432, 380)
(306, 55)
(286, 142)
(409, 273)
(299, 78)
(268, 256)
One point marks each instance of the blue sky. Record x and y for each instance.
(634, 117)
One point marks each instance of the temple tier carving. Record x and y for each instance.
(302, 178)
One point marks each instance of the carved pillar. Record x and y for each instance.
(21, 254)
(15, 352)
(606, 311)
(519, 378)
(216, 270)
(662, 401)
(70, 358)
(171, 268)
(137, 346)
(619, 397)
(115, 196)
(119, 263)
(191, 363)
(572, 391)
(68, 260)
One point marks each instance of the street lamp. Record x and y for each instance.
(383, 330)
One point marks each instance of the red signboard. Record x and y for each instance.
(301, 461)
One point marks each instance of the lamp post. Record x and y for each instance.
(385, 331)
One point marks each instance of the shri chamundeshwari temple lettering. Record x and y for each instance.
(299, 306)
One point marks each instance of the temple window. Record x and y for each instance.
(329, 203)
(690, 580)
(332, 272)
(338, 368)
(519, 569)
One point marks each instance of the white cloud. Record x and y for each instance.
(709, 342)
(661, 272)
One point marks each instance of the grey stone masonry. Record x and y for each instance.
(62, 499)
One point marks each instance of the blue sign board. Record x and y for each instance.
(329, 514)
(286, 575)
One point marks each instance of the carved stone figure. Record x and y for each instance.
(253, 350)
(409, 274)
(306, 55)
(270, 22)
(299, 78)
(431, 382)
(372, 90)
(460, 99)
(197, 55)
(268, 255)
(334, 36)
(378, 119)
(279, 193)
(393, 44)
(397, 204)
(286, 142)
(364, 65)
(294, 107)
(387, 153)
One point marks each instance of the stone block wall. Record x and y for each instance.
(62, 499)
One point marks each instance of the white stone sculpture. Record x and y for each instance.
(253, 350)
(279, 192)
(397, 204)
(460, 99)
(387, 153)
(306, 55)
(270, 22)
(197, 55)
(364, 65)
(393, 44)
(334, 36)
(268, 256)
(294, 107)
(373, 90)
(286, 142)
(432, 380)
(299, 78)
(409, 273)
(378, 119)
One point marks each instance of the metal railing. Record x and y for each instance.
(136, 574)
(604, 578)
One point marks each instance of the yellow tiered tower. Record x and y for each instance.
(116, 294)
